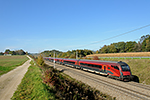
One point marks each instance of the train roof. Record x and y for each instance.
(98, 61)
(71, 59)
(53, 58)
(91, 61)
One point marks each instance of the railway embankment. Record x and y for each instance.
(120, 90)
(65, 87)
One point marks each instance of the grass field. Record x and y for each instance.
(139, 67)
(8, 63)
(129, 54)
(31, 87)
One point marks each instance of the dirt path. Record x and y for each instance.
(10, 81)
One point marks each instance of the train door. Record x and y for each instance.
(77, 64)
(116, 71)
(104, 68)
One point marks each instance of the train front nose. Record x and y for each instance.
(127, 76)
(126, 73)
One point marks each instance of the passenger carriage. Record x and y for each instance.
(70, 62)
(118, 70)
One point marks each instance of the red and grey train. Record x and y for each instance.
(118, 70)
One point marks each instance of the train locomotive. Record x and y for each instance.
(118, 70)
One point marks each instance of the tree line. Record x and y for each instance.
(68, 54)
(131, 46)
(16, 52)
(143, 45)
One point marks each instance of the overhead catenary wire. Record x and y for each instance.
(115, 36)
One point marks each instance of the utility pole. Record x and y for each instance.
(54, 59)
(76, 54)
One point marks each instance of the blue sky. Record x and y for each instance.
(38, 25)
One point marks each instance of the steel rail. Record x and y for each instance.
(126, 90)
(146, 87)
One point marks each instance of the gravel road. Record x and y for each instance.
(10, 81)
(120, 90)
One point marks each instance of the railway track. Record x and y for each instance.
(131, 89)
(147, 87)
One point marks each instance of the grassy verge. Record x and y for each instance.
(32, 88)
(139, 67)
(8, 63)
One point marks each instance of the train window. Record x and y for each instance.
(69, 62)
(125, 68)
(83, 64)
(116, 67)
(98, 66)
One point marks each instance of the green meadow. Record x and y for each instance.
(8, 63)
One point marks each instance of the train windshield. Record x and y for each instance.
(125, 68)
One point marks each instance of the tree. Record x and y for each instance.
(72, 56)
(97, 52)
(120, 46)
(104, 49)
(144, 38)
(1, 53)
(7, 51)
(40, 60)
(112, 49)
(26, 53)
(12, 52)
(130, 46)
(146, 43)
(20, 52)
(138, 47)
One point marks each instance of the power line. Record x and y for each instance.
(116, 36)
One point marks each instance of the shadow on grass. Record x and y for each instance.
(61, 71)
(135, 78)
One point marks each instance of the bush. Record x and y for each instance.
(95, 58)
(70, 89)
(40, 61)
